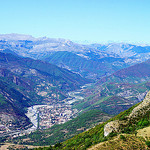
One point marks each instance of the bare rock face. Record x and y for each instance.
(112, 126)
(141, 96)
(141, 109)
(137, 112)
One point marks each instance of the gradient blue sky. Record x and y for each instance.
(79, 20)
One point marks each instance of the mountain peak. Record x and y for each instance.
(15, 37)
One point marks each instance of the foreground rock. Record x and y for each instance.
(138, 112)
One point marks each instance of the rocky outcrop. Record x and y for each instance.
(137, 112)
(112, 126)
(141, 109)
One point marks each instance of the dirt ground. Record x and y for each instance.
(144, 132)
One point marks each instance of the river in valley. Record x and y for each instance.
(32, 112)
(73, 96)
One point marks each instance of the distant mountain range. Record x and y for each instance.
(110, 57)
(134, 74)
(90, 68)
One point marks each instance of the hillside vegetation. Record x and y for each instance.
(123, 141)
(111, 97)
(129, 123)
(40, 81)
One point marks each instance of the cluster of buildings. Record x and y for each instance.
(55, 114)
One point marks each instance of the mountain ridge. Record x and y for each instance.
(118, 91)
(41, 48)
(22, 81)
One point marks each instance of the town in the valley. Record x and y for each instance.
(54, 114)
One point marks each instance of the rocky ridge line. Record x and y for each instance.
(137, 112)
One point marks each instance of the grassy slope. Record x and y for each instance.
(123, 141)
(119, 91)
(106, 97)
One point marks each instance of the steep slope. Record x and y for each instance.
(128, 123)
(134, 74)
(25, 82)
(12, 109)
(42, 78)
(91, 68)
(118, 91)
(123, 141)
(112, 98)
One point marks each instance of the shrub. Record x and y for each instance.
(112, 134)
(58, 145)
(148, 143)
(123, 137)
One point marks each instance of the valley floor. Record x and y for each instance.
(45, 116)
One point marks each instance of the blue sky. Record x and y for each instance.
(78, 20)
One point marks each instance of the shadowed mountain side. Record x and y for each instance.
(12, 107)
(135, 74)
(118, 91)
(32, 69)
(91, 68)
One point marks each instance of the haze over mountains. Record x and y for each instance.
(37, 71)
(110, 57)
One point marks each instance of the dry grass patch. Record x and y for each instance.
(144, 132)
(122, 142)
